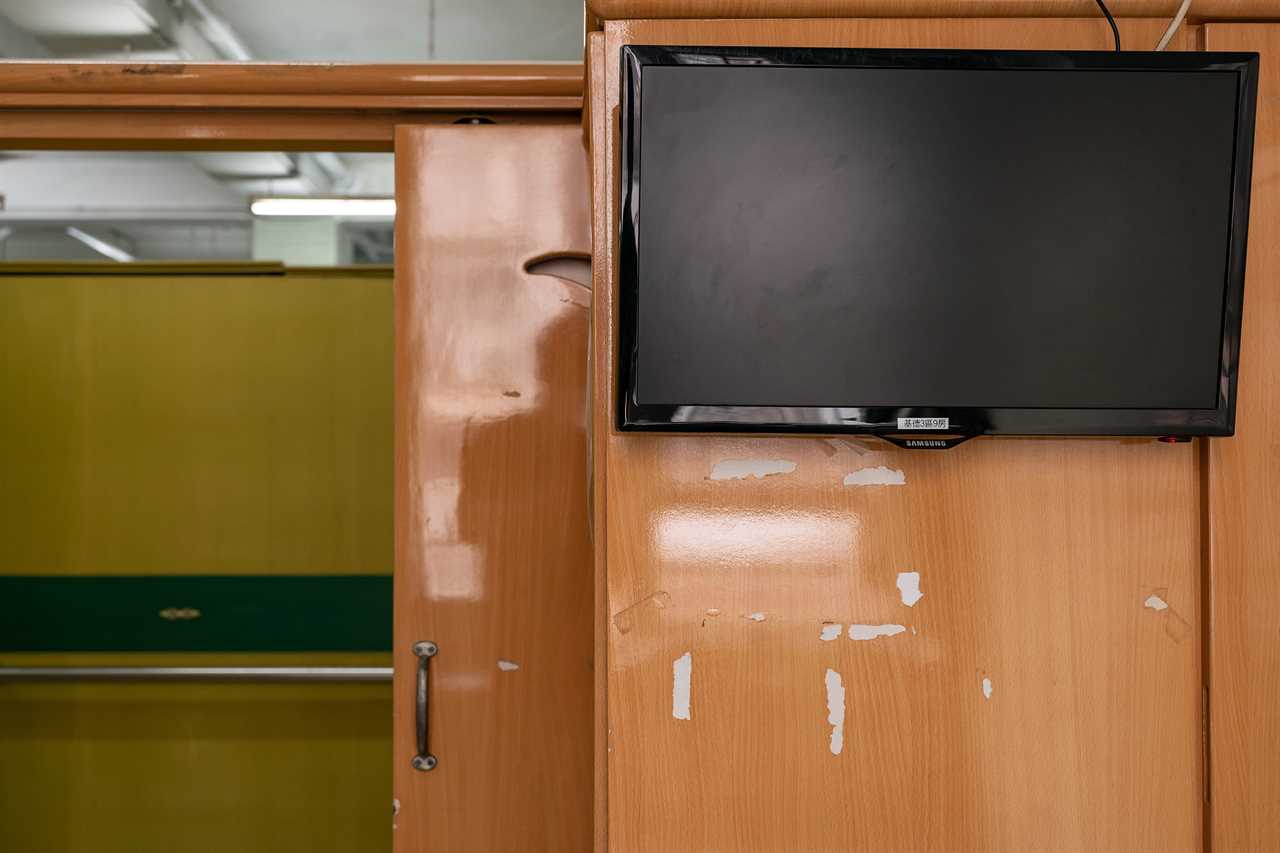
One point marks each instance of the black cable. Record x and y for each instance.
(1115, 31)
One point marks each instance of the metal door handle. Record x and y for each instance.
(425, 650)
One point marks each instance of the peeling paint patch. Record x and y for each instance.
(835, 710)
(870, 632)
(681, 686)
(754, 617)
(909, 588)
(878, 476)
(831, 631)
(986, 688)
(1155, 602)
(625, 619)
(508, 665)
(713, 611)
(741, 469)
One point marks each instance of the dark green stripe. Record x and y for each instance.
(257, 613)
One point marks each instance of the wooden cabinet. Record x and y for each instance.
(492, 549)
(768, 685)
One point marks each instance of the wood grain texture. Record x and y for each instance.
(1201, 10)
(247, 106)
(493, 558)
(231, 129)
(1243, 506)
(1035, 555)
(294, 85)
(600, 429)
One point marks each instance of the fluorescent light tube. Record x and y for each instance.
(102, 247)
(385, 207)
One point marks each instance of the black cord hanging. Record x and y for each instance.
(1115, 31)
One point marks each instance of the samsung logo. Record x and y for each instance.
(926, 442)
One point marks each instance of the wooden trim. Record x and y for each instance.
(1202, 10)
(246, 106)
(232, 130)
(554, 85)
(599, 436)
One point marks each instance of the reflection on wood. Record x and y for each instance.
(1029, 701)
(492, 549)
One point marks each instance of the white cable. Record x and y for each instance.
(1174, 24)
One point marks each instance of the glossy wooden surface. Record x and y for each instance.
(599, 425)
(1243, 508)
(1036, 557)
(1201, 10)
(327, 85)
(493, 557)
(222, 106)
(231, 130)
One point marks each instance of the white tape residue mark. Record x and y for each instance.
(878, 476)
(831, 632)
(986, 688)
(681, 685)
(741, 469)
(755, 617)
(835, 710)
(870, 632)
(909, 586)
(1155, 602)
(508, 665)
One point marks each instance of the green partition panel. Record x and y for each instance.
(195, 470)
(196, 613)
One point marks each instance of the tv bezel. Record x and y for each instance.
(966, 421)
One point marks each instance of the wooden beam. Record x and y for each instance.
(1201, 10)
(246, 106)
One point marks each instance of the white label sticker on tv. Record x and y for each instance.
(924, 423)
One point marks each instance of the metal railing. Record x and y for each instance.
(328, 674)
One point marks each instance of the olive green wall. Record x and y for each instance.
(198, 422)
(195, 420)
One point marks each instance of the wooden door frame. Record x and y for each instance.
(179, 106)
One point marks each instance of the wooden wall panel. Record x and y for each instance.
(1036, 557)
(1243, 509)
(493, 559)
(1218, 10)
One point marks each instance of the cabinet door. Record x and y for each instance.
(492, 559)
(761, 696)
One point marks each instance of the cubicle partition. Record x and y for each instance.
(195, 558)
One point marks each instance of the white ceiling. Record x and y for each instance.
(319, 30)
(61, 18)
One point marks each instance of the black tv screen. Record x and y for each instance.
(969, 242)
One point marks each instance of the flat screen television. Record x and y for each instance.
(932, 241)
